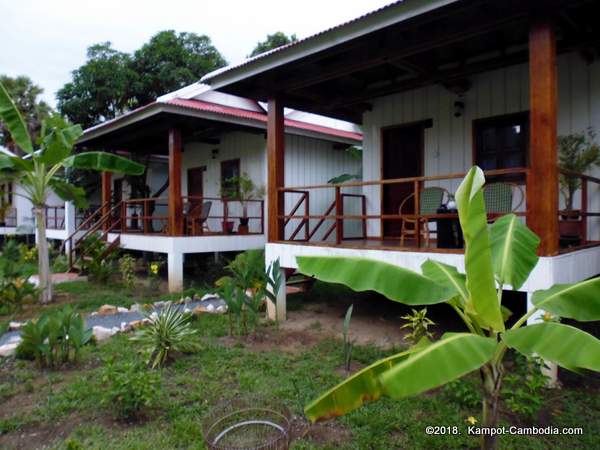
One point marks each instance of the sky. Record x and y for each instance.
(47, 39)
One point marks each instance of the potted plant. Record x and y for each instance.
(243, 190)
(577, 152)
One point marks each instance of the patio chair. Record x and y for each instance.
(430, 199)
(196, 218)
(498, 197)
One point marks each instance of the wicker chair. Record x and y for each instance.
(498, 197)
(430, 199)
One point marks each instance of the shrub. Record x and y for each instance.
(54, 339)
(127, 269)
(129, 388)
(464, 393)
(60, 264)
(523, 389)
(15, 270)
(100, 263)
(169, 332)
(418, 323)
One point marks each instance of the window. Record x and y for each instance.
(230, 170)
(6, 192)
(502, 142)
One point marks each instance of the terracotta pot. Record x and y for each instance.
(227, 227)
(570, 227)
(243, 229)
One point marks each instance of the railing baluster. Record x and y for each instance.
(584, 209)
(339, 211)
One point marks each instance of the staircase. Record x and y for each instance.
(296, 282)
(99, 224)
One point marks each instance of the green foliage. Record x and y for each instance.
(127, 269)
(112, 82)
(507, 257)
(463, 392)
(55, 338)
(272, 41)
(169, 332)
(577, 152)
(129, 388)
(15, 269)
(419, 324)
(524, 388)
(356, 153)
(242, 189)
(244, 291)
(97, 261)
(348, 343)
(26, 97)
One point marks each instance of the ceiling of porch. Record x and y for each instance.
(445, 46)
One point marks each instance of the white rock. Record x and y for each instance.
(8, 349)
(95, 313)
(14, 326)
(187, 310)
(136, 307)
(221, 309)
(159, 304)
(16, 339)
(187, 300)
(208, 297)
(124, 326)
(210, 308)
(153, 316)
(103, 333)
(120, 309)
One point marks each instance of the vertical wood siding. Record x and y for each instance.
(449, 143)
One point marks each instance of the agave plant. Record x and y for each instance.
(497, 257)
(168, 332)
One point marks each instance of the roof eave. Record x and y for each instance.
(354, 29)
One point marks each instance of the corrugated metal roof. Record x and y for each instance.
(249, 61)
(261, 117)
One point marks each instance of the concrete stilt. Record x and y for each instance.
(175, 271)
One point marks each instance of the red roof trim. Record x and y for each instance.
(261, 117)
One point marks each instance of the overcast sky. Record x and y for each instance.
(47, 39)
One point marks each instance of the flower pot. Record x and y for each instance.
(227, 227)
(570, 232)
(243, 227)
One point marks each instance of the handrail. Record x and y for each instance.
(487, 173)
(81, 226)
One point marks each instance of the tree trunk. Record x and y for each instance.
(43, 257)
(492, 381)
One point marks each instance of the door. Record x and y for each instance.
(402, 157)
(195, 185)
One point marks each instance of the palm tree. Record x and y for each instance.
(43, 170)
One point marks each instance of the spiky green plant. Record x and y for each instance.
(169, 332)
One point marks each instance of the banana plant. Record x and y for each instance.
(43, 170)
(496, 257)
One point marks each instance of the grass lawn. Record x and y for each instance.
(64, 409)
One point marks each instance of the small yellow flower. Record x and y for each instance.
(154, 268)
(471, 420)
(547, 317)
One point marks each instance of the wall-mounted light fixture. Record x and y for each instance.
(215, 153)
(459, 108)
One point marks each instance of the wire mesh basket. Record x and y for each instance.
(248, 424)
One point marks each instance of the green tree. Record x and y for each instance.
(44, 170)
(170, 61)
(26, 97)
(272, 41)
(100, 89)
(502, 256)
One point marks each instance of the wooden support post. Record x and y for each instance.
(276, 169)
(339, 212)
(417, 197)
(306, 214)
(146, 220)
(175, 199)
(106, 197)
(584, 210)
(542, 184)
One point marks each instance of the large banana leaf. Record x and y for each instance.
(478, 257)
(395, 283)
(10, 115)
(362, 386)
(105, 162)
(455, 355)
(58, 144)
(566, 345)
(69, 192)
(513, 250)
(448, 276)
(580, 301)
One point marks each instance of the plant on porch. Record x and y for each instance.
(503, 255)
(242, 189)
(44, 170)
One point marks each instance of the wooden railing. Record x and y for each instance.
(574, 222)
(55, 217)
(335, 213)
(10, 217)
(141, 216)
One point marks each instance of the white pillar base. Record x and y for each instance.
(175, 272)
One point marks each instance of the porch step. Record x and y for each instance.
(299, 283)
